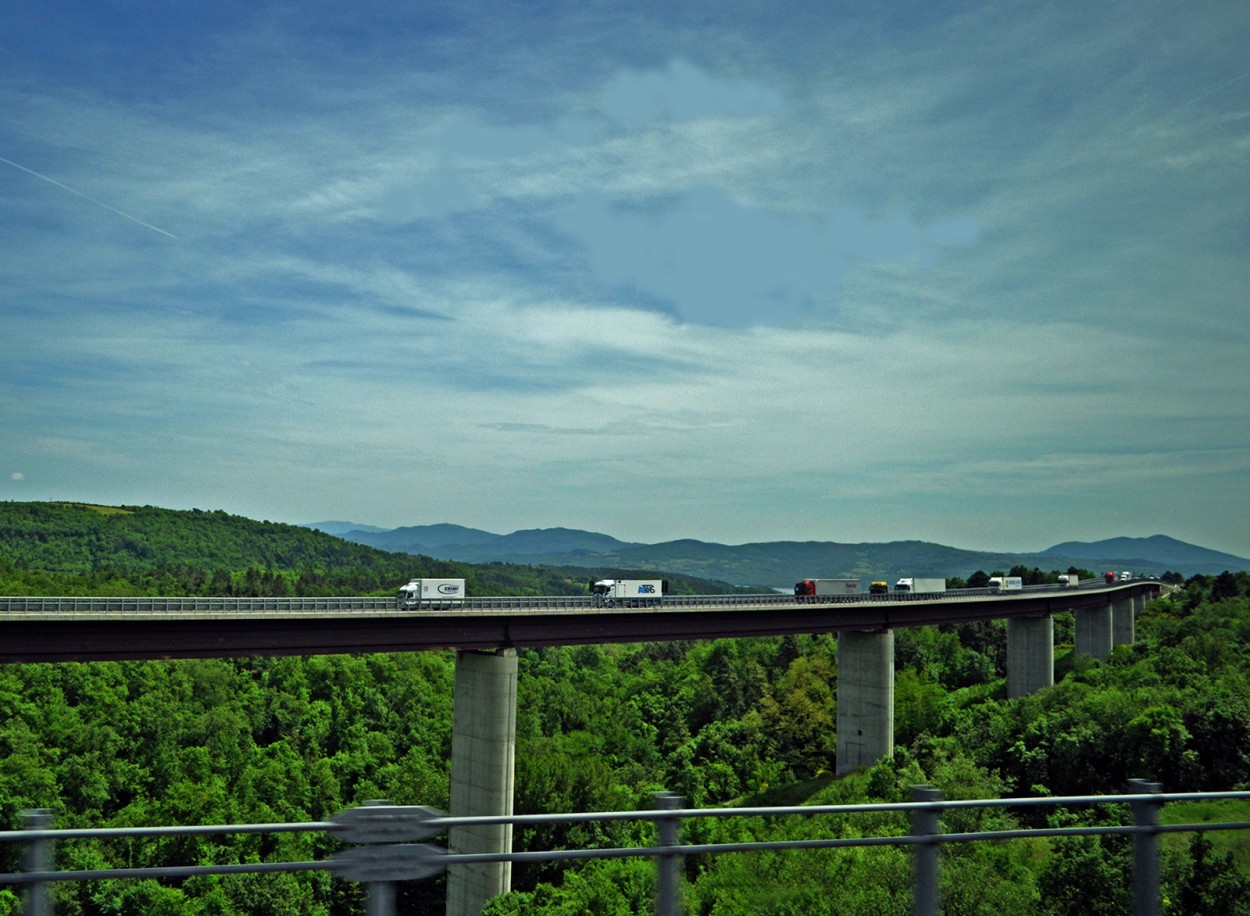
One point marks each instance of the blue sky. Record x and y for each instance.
(975, 273)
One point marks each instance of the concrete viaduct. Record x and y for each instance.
(486, 632)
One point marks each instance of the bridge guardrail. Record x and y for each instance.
(379, 849)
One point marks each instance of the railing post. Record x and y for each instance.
(38, 859)
(668, 864)
(387, 853)
(379, 895)
(379, 898)
(1145, 848)
(924, 826)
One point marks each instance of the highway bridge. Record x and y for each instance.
(126, 628)
(486, 632)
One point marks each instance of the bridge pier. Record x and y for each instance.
(1030, 654)
(1124, 620)
(865, 698)
(1093, 631)
(483, 752)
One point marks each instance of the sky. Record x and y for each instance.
(967, 272)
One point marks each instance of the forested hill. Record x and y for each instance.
(72, 537)
(78, 548)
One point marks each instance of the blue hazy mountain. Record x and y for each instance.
(1155, 550)
(778, 564)
(338, 529)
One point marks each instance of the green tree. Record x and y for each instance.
(1211, 885)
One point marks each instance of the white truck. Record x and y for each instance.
(920, 586)
(627, 592)
(1006, 583)
(430, 593)
(1069, 580)
(819, 588)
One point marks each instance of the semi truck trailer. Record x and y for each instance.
(920, 586)
(818, 588)
(430, 593)
(627, 592)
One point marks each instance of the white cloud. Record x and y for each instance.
(871, 291)
(683, 92)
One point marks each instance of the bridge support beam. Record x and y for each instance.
(865, 699)
(483, 752)
(1093, 631)
(1030, 654)
(1124, 621)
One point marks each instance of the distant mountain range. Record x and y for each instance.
(776, 564)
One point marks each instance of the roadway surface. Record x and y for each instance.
(117, 629)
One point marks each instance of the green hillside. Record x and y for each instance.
(76, 548)
(721, 722)
(77, 537)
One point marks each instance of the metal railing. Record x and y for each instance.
(384, 844)
(172, 607)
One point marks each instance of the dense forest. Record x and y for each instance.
(721, 722)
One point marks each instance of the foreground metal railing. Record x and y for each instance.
(384, 843)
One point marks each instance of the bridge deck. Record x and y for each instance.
(101, 629)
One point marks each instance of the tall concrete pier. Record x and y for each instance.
(1030, 654)
(865, 698)
(1124, 620)
(1093, 631)
(483, 751)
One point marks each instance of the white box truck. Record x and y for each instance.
(627, 592)
(1069, 580)
(1006, 583)
(920, 586)
(430, 593)
(820, 588)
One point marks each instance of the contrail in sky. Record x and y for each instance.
(133, 219)
(1203, 95)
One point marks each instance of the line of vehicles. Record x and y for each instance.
(442, 594)
(909, 585)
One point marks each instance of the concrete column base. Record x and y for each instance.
(865, 699)
(483, 752)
